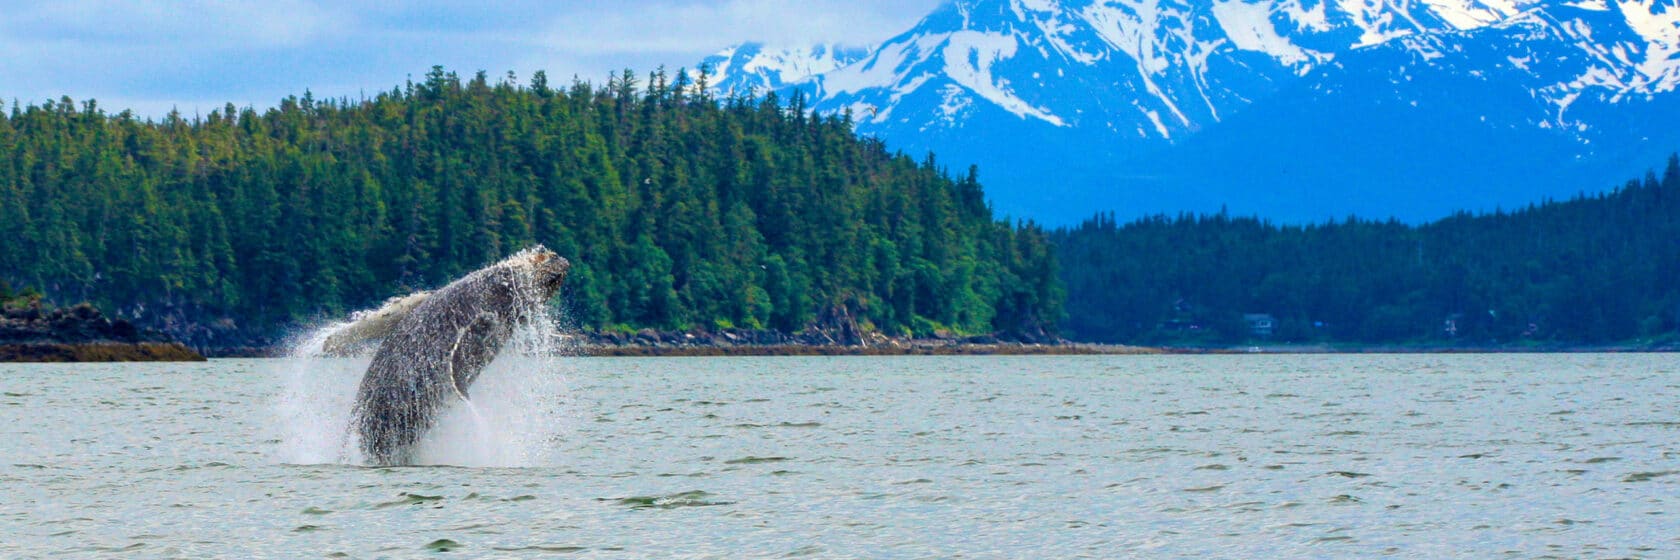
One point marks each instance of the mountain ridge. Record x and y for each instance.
(1108, 84)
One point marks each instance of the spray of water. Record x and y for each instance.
(314, 405)
(515, 417)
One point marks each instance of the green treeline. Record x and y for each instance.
(1595, 269)
(23, 298)
(678, 210)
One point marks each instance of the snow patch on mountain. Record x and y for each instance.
(752, 67)
(1376, 22)
(1658, 23)
(1250, 27)
(969, 56)
(1470, 14)
(889, 64)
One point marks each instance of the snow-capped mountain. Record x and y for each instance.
(1140, 68)
(1148, 106)
(749, 68)
(1565, 52)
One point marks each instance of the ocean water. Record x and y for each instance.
(1253, 456)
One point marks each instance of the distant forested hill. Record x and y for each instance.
(678, 210)
(1594, 269)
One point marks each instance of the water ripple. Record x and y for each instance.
(1458, 456)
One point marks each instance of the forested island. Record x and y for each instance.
(749, 220)
(1595, 271)
(680, 211)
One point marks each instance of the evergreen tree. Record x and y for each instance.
(677, 209)
(1595, 269)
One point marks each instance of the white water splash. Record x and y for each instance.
(313, 409)
(515, 417)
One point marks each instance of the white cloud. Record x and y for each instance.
(203, 24)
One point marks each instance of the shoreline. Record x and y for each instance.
(1411, 349)
(944, 347)
(1075, 349)
(103, 351)
(918, 348)
(35, 333)
(937, 348)
(682, 345)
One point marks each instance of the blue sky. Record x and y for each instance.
(197, 55)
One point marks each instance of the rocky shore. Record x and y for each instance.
(30, 332)
(819, 342)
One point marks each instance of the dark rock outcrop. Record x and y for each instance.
(30, 332)
(818, 341)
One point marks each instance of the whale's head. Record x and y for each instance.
(548, 269)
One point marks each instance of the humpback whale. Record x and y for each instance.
(436, 343)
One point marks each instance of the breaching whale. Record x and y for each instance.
(436, 343)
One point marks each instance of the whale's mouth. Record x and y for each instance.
(551, 270)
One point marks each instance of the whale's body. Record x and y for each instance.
(435, 345)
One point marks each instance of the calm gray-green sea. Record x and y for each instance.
(1248, 456)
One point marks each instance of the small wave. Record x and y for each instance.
(692, 498)
(696, 474)
(807, 550)
(1647, 476)
(129, 548)
(441, 545)
(487, 528)
(409, 500)
(558, 549)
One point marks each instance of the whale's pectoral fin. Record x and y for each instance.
(477, 345)
(374, 324)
